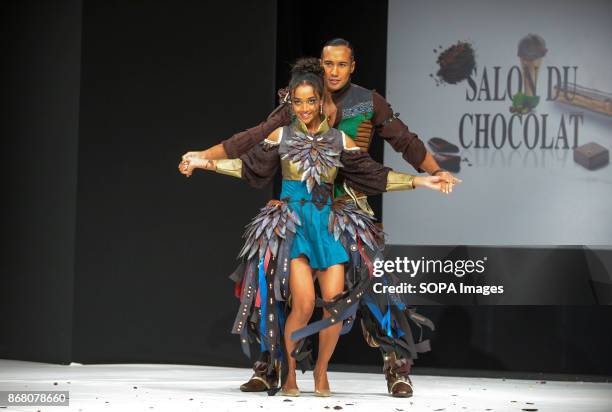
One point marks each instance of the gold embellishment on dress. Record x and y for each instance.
(230, 167)
(291, 172)
(359, 198)
(399, 181)
(301, 126)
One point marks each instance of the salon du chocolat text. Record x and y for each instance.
(531, 130)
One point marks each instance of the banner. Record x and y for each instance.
(529, 131)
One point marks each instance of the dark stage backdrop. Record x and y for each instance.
(118, 257)
(39, 88)
(151, 249)
(154, 248)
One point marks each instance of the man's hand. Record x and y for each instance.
(449, 180)
(193, 155)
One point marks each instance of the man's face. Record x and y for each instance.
(338, 66)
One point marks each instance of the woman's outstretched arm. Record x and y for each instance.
(370, 177)
(258, 166)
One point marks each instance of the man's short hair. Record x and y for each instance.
(340, 42)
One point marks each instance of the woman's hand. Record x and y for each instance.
(190, 163)
(450, 180)
(437, 183)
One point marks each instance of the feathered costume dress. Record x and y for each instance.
(309, 221)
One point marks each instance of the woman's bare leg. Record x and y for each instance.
(331, 282)
(302, 306)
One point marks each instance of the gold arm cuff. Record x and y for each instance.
(230, 167)
(399, 181)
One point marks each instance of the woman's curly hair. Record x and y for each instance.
(307, 65)
(307, 70)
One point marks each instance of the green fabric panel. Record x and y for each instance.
(351, 124)
(338, 190)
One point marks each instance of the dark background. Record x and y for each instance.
(110, 255)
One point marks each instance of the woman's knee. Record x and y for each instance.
(303, 308)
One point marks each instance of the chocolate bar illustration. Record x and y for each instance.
(452, 163)
(592, 155)
(439, 145)
(591, 99)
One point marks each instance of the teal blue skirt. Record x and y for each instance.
(312, 237)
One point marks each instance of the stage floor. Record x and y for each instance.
(178, 388)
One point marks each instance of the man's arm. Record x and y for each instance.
(242, 142)
(397, 134)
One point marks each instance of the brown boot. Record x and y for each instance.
(396, 372)
(264, 379)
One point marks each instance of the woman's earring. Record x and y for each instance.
(321, 109)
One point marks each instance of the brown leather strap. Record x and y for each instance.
(364, 135)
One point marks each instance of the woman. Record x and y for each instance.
(305, 235)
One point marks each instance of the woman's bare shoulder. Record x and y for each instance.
(275, 136)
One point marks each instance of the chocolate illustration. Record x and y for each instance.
(452, 163)
(531, 51)
(592, 155)
(584, 97)
(438, 144)
(456, 63)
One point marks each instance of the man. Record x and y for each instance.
(360, 113)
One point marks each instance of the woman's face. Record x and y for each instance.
(305, 103)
